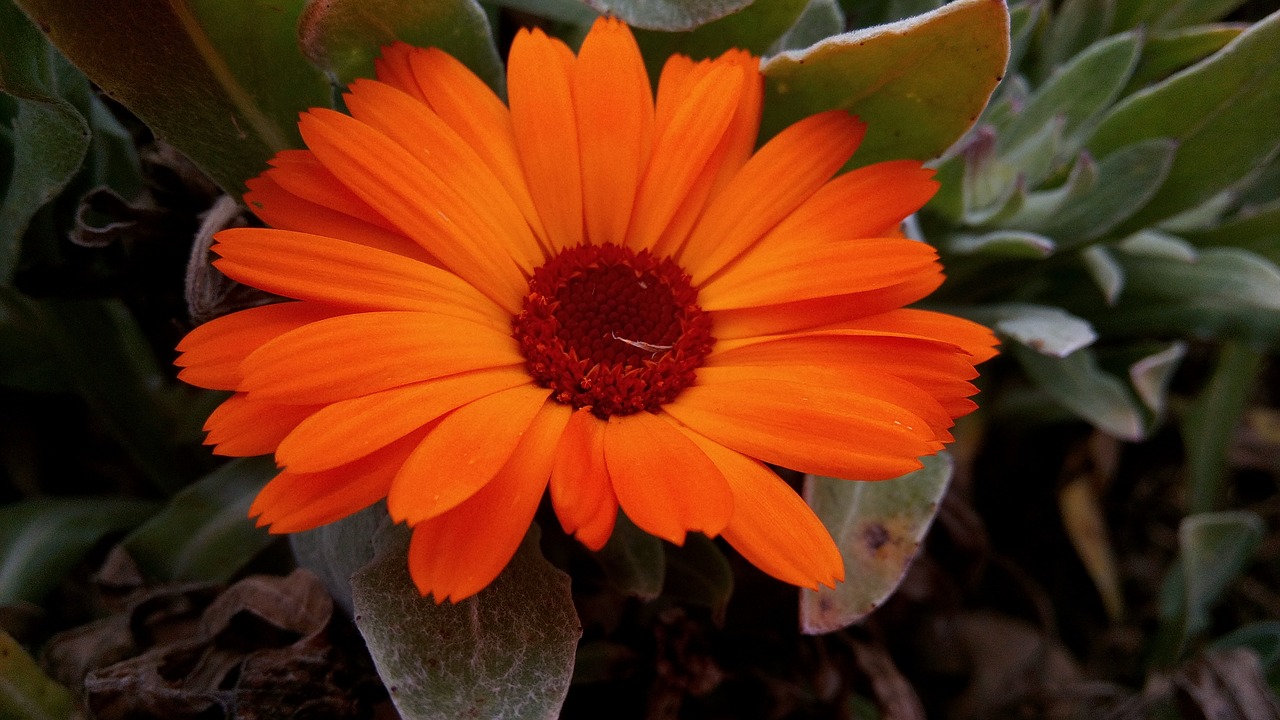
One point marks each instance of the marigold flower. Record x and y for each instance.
(592, 290)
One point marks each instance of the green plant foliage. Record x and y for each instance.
(221, 81)
(56, 128)
(204, 532)
(505, 653)
(699, 574)
(903, 80)
(1210, 423)
(1214, 549)
(334, 552)
(756, 28)
(879, 527)
(43, 540)
(1172, 50)
(1161, 14)
(820, 19)
(634, 561)
(343, 37)
(26, 693)
(1078, 383)
(1221, 112)
(668, 15)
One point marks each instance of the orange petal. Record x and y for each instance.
(614, 109)
(300, 173)
(463, 453)
(455, 555)
(975, 339)
(664, 483)
(740, 140)
(807, 428)
(480, 117)
(915, 405)
(476, 197)
(294, 502)
(346, 430)
(684, 153)
(242, 427)
(820, 312)
(357, 354)
(416, 200)
(395, 68)
(859, 204)
(212, 353)
(580, 489)
(281, 209)
(780, 176)
(540, 90)
(770, 274)
(310, 267)
(772, 526)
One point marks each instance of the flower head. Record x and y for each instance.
(591, 290)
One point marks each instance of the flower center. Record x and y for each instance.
(612, 330)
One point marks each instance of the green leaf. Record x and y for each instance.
(1078, 384)
(1214, 549)
(204, 532)
(634, 561)
(1210, 422)
(221, 80)
(343, 37)
(1168, 52)
(50, 136)
(26, 693)
(1224, 293)
(43, 540)
(1162, 14)
(919, 84)
(1220, 111)
(335, 551)
(1106, 271)
(865, 13)
(755, 28)
(699, 574)
(1152, 374)
(1261, 637)
(1024, 19)
(1077, 93)
(1256, 229)
(1002, 243)
(1076, 25)
(668, 15)
(1048, 330)
(820, 20)
(879, 527)
(1127, 179)
(505, 653)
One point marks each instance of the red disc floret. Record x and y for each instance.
(612, 330)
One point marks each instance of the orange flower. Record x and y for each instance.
(592, 289)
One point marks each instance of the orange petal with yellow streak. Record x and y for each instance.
(463, 453)
(772, 526)
(455, 555)
(581, 493)
(664, 483)
(357, 354)
(212, 353)
(344, 431)
(540, 91)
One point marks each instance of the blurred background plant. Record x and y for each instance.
(1104, 538)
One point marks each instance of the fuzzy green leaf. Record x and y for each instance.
(221, 80)
(345, 36)
(43, 540)
(1127, 179)
(919, 84)
(820, 20)
(335, 551)
(1047, 330)
(1164, 15)
(204, 532)
(504, 654)
(668, 15)
(755, 28)
(879, 527)
(1170, 51)
(1003, 244)
(634, 561)
(1220, 111)
(699, 574)
(1076, 25)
